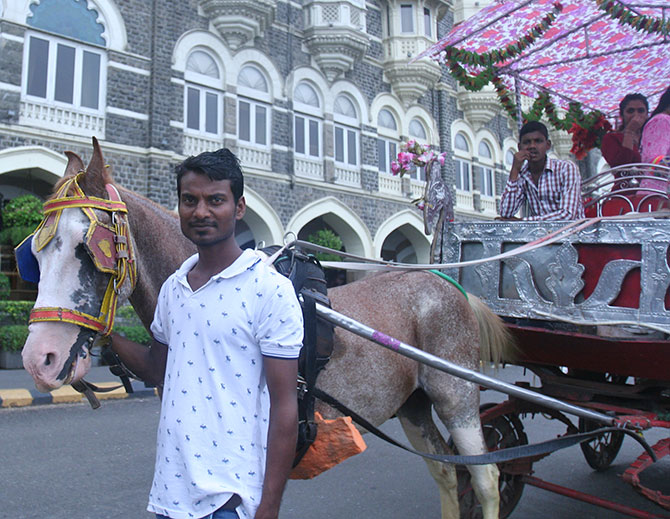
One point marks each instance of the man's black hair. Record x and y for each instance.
(632, 97)
(533, 126)
(221, 164)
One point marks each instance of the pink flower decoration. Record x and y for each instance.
(395, 167)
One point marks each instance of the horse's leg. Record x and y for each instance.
(456, 402)
(417, 422)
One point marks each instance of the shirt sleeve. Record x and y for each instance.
(571, 204)
(615, 153)
(656, 138)
(159, 328)
(280, 329)
(512, 198)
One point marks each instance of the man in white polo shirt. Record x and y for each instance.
(227, 333)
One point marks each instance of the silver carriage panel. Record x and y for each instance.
(547, 283)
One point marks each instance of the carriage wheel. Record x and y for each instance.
(500, 433)
(601, 451)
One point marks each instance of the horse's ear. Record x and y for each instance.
(74, 164)
(93, 182)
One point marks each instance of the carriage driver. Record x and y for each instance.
(551, 187)
(227, 332)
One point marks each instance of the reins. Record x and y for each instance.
(110, 249)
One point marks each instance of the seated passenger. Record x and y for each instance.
(623, 146)
(656, 141)
(656, 133)
(551, 187)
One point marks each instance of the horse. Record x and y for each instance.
(416, 307)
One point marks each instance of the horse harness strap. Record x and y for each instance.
(110, 249)
(498, 456)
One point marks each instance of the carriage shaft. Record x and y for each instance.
(407, 350)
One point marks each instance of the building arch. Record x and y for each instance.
(353, 93)
(34, 157)
(109, 16)
(262, 219)
(347, 224)
(192, 40)
(420, 114)
(306, 74)
(490, 139)
(461, 126)
(259, 60)
(410, 224)
(30, 169)
(391, 104)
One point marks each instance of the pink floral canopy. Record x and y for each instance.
(594, 52)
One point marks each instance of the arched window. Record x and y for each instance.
(70, 71)
(346, 134)
(463, 158)
(307, 121)
(509, 158)
(387, 143)
(203, 108)
(253, 108)
(418, 132)
(487, 178)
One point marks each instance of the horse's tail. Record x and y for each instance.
(496, 342)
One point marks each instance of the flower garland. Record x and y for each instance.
(412, 154)
(648, 24)
(512, 50)
(587, 129)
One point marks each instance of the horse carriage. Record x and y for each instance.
(604, 360)
(589, 307)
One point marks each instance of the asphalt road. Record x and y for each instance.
(69, 462)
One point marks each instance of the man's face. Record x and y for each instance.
(207, 210)
(536, 145)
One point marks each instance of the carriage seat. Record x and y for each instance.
(629, 188)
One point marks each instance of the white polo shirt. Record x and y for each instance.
(212, 434)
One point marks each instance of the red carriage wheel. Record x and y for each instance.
(601, 451)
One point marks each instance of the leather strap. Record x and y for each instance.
(511, 453)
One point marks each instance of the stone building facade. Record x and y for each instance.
(314, 96)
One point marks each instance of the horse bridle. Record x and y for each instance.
(110, 249)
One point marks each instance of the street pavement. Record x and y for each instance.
(17, 389)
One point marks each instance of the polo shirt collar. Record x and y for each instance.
(245, 261)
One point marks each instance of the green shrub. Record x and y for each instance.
(13, 337)
(15, 312)
(326, 238)
(22, 211)
(4, 286)
(20, 217)
(137, 334)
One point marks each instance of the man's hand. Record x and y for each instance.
(519, 158)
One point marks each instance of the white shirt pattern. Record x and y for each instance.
(212, 434)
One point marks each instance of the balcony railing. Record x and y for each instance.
(62, 119)
(390, 184)
(255, 158)
(196, 144)
(347, 177)
(465, 200)
(310, 169)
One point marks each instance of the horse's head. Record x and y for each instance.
(86, 265)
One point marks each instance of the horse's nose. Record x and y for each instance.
(46, 355)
